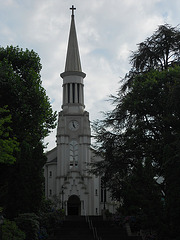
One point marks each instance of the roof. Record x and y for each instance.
(73, 62)
(53, 161)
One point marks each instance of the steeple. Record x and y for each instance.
(73, 62)
(73, 86)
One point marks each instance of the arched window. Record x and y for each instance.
(73, 161)
(103, 190)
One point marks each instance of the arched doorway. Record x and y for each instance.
(74, 206)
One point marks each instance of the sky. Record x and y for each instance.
(107, 31)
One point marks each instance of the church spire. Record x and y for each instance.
(73, 62)
(73, 86)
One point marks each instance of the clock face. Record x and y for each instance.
(73, 125)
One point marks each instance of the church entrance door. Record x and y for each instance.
(74, 205)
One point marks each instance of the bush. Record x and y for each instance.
(50, 220)
(29, 223)
(46, 205)
(10, 231)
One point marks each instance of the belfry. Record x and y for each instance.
(66, 175)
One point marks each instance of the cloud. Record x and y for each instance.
(107, 33)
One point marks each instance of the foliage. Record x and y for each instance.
(133, 221)
(8, 143)
(21, 90)
(108, 214)
(50, 220)
(46, 205)
(56, 201)
(140, 138)
(10, 231)
(42, 233)
(158, 52)
(32, 119)
(50, 216)
(29, 223)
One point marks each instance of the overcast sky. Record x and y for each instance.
(107, 33)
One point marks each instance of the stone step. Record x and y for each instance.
(76, 228)
(75, 219)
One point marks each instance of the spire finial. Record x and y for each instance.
(72, 8)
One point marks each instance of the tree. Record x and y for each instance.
(8, 143)
(142, 133)
(32, 119)
(158, 52)
(11, 231)
(22, 91)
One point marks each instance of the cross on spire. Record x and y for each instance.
(72, 8)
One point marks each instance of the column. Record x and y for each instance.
(80, 94)
(76, 93)
(66, 94)
(71, 93)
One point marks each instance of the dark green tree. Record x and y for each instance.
(139, 138)
(8, 143)
(32, 119)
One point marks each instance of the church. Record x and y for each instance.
(66, 176)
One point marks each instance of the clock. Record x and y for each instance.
(73, 125)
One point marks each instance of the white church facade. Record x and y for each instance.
(66, 175)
